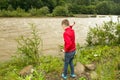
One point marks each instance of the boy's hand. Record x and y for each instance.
(63, 50)
(73, 24)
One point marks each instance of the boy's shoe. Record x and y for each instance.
(73, 75)
(64, 77)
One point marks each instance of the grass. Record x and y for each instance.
(107, 68)
(107, 64)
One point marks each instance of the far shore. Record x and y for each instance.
(74, 16)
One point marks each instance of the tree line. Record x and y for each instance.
(58, 7)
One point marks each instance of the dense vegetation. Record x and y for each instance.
(27, 8)
(107, 34)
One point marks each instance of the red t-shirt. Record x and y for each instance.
(69, 39)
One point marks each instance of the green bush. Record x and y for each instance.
(39, 12)
(75, 9)
(21, 12)
(82, 9)
(88, 9)
(43, 11)
(118, 33)
(117, 9)
(105, 7)
(28, 47)
(10, 8)
(60, 11)
(13, 13)
(3, 13)
(104, 35)
(33, 11)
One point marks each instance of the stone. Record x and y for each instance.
(90, 66)
(26, 70)
(93, 75)
(79, 68)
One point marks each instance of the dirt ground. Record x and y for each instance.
(50, 31)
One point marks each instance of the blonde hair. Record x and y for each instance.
(65, 22)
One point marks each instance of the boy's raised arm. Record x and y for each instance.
(72, 25)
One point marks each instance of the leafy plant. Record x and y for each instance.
(60, 11)
(105, 35)
(33, 11)
(82, 78)
(28, 47)
(118, 33)
(43, 11)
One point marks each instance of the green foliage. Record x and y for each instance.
(34, 76)
(60, 11)
(39, 12)
(109, 68)
(96, 53)
(10, 8)
(3, 4)
(107, 34)
(9, 71)
(20, 12)
(43, 11)
(51, 64)
(75, 9)
(13, 13)
(82, 78)
(74, 6)
(88, 9)
(33, 11)
(118, 33)
(38, 75)
(28, 47)
(103, 7)
(106, 58)
(107, 71)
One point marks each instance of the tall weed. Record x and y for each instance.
(28, 47)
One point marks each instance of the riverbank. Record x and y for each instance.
(106, 59)
(93, 62)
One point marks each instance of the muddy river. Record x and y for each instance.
(50, 31)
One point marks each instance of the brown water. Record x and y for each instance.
(50, 31)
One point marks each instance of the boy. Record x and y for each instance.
(69, 48)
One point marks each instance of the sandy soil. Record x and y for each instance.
(49, 29)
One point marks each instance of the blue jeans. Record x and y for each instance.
(69, 61)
